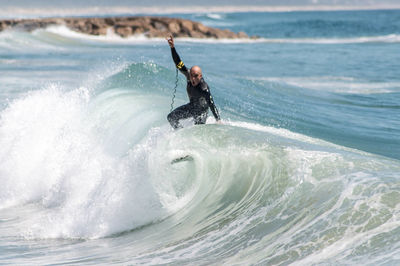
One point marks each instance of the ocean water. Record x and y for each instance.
(304, 170)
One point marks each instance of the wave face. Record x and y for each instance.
(304, 169)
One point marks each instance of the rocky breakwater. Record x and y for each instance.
(152, 27)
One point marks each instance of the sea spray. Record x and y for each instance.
(55, 157)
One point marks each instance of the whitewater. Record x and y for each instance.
(304, 169)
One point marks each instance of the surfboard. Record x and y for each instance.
(185, 158)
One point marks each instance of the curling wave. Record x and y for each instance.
(91, 164)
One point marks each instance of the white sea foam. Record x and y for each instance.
(215, 16)
(111, 37)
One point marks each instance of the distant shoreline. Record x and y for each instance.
(99, 11)
(149, 26)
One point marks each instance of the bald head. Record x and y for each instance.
(195, 69)
(195, 75)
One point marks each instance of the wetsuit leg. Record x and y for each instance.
(182, 112)
(201, 118)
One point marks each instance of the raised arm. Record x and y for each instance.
(177, 60)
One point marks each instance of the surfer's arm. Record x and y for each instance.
(210, 101)
(213, 108)
(179, 64)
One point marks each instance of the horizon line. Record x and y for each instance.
(16, 11)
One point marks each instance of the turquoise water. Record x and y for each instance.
(304, 169)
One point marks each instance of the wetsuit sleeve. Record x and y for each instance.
(210, 101)
(179, 64)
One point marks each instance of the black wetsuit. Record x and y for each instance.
(199, 96)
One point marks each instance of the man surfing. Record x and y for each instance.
(200, 98)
